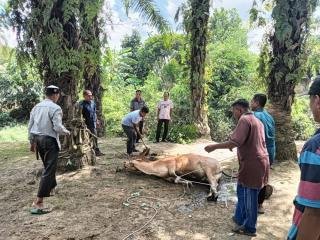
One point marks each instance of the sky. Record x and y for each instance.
(123, 24)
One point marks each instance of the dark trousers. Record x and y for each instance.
(95, 140)
(262, 195)
(140, 130)
(165, 131)
(132, 136)
(48, 150)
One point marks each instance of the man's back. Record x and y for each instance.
(252, 153)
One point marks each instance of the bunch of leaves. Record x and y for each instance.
(303, 123)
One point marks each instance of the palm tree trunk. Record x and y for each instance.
(287, 45)
(198, 38)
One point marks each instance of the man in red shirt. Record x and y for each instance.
(248, 137)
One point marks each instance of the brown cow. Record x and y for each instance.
(190, 165)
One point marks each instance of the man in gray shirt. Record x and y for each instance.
(138, 103)
(44, 128)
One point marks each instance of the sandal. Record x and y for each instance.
(242, 231)
(38, 211)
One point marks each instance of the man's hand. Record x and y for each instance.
(210, 148)
(33, 147)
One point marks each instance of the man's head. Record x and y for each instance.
(314, 93)
(239, 107)
(87, 95)
(53, 93)
(166, 96)
(143, 111)
(259, 100)
(138, 94)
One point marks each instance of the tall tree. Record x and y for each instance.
(48, 33)
(90, 36)
(291, 25)
(198, 31)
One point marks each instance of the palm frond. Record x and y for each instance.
(148, 10)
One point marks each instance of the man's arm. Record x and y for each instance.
(131, 105)
(224, 145)
(57, 123)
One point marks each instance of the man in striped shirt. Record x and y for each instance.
(306, 217)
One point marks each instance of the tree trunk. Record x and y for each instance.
(287, 48)
(77, 149)
(198, 37)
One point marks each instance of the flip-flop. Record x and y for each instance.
(241, 231)
(38, 211)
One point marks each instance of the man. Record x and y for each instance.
(136, 104)
(248, 137)
(89, 114)
(130, 127)
(257, 105)
(44, 128)
(306, 217)
(164, 114)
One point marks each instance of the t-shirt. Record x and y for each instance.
(131, 118)
(249, 137)
(164, 107)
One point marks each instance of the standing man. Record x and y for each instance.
(44, 128)
(306, 217)
(136, 104)
(164, 114)
(248, 137)
(130, 127)
(89, 114)
(257, 105)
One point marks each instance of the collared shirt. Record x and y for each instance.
(269, 131)
(89, 113)
(46, 119)
(248, 136)
(136, 104)
(131, 118)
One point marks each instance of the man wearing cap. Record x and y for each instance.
(89, 114)
(44, 128)
(306, 216)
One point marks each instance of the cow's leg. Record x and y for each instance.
(213, 181)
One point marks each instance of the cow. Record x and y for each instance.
(173, 168)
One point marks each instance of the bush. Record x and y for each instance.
(302, 121)
(5, 119)
(221, 125)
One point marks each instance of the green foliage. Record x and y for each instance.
(303, 124)
(5, 119)
(17, 133)
(184, 133)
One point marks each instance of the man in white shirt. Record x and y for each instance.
(164, 112)
(130, 126)
(44, 128)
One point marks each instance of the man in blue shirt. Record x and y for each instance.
(257, 105)
(89, 114)
(130, 125)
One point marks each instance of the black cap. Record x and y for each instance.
(315, 87)
(52, 90)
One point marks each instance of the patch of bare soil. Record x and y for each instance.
(106, 202)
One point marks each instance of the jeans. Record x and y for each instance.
(246, 213)
(48, 150)
(132, 136)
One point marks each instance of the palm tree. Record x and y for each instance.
(291, 22)
(62, 39)
(196, 15)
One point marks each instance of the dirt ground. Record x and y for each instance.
(106, 202)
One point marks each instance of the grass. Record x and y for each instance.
(18, 133)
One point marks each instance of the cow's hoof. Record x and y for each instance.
(212, 198)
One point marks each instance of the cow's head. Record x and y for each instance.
(129, 165)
